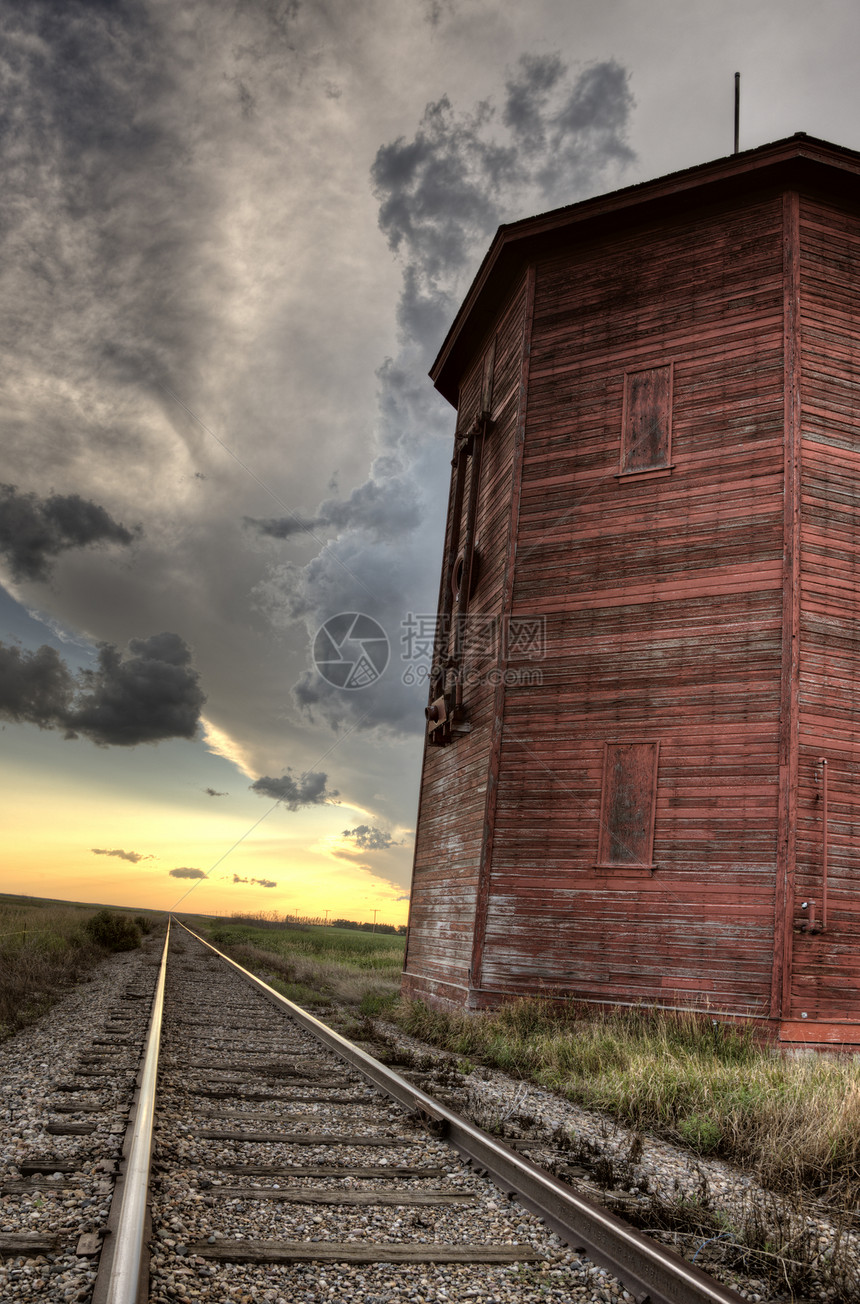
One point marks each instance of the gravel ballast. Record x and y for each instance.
(189, 1212)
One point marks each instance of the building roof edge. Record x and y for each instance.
(777, 162)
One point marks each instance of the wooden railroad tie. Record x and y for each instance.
(314, 1195)
(26, 1243)
(226, 1251)
(327, 1170)
(79, 1107)
(57, 1164)
(34, 1185)
(304, 1138)
(218, 1093)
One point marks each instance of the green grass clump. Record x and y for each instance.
(113, 932)
(701, 1133)
(378, 1003)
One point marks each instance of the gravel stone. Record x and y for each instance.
(33, 1063)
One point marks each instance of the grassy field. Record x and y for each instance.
(47, 946)
(316, 965)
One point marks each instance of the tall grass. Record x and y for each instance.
(793, 1122)
(318, 965)
(43, 951)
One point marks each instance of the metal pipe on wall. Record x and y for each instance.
(824, 843)
(465, 586)
(443, 632)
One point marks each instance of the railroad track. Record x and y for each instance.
(290, 1167)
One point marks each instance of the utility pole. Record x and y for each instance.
(737, 113)
(375, 913)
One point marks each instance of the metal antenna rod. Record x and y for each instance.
(737, 112)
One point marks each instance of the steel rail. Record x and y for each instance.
(651, 1272)
(121, 1269)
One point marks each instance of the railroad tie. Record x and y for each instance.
(302, 1138)
(227, 1251)
(316, 1195)
(27, 1243)
(326, 1170)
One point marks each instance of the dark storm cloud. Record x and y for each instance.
(33, 530)
(282, 527)
(213, 792)
(185, 872)
(447, 189)
(438, 189)
(261, 882)
(383, 508)
(571, 130)
(308, 790)
(150, 694)
(527, 95)
(35, 687)
(134, 856)
(442, 193)
(369, 838)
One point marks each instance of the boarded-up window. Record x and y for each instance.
(628, 804)
(646, 438)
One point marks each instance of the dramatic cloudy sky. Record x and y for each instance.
(233, 237)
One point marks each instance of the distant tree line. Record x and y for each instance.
(397, 929)
(271, 919)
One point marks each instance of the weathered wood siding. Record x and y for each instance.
(825, 970)
(662, 596)
(638, 813)
(454, 781)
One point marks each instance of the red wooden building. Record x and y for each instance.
(641, 775)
